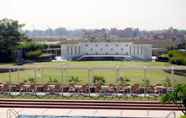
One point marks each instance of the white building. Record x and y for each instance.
(70, 50)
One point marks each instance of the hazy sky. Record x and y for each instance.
(73, 14)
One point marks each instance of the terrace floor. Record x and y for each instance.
(83, 112)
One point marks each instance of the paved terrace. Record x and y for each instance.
(84, 112)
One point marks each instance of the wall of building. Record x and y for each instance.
(103, 48)
(138, 51)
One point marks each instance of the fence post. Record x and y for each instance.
(62, 72)
(9, 81)
(35, 76)
(117, 78)
(172, 74)
(145, 80)
(89, 81)
(17, 70)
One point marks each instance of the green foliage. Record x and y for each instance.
(74, 80)
(33, 54)
(178, 60)
(146, 82)
(52, 80)
(177, 97)
(177, 57)
(183, 116)
(31, 50)
(164, 55)
(10, 36)
(99, 80)
(168, 82)
(123, 81)
(28, 45)
(32, 80)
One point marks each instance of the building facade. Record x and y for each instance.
(136, 51)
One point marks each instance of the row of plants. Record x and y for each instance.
(99, 80)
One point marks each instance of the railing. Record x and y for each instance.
(11, 113)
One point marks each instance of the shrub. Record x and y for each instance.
(177, 57)
(123, 81)
(34, 54)
(74, 80)
(99, 80)
(52, 80)
(178, 60)
(184, 116)
(178, 97)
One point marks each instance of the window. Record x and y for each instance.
(96, 45)
(86, 45)
(111, 48)
(117, 45)
(106, 45)
(122, 49)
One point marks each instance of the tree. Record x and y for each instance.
(178, 97)
(10, 36)
(31, 50)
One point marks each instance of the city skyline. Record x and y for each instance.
(90, 14)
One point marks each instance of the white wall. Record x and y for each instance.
(105, 48)
(141, 51)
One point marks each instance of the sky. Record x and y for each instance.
(89, 14)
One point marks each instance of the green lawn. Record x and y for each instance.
(136, 76)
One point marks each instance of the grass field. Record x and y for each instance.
(135, 76)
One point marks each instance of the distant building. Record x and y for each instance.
(70, 50)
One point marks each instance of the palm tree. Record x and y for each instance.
(178, 97)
